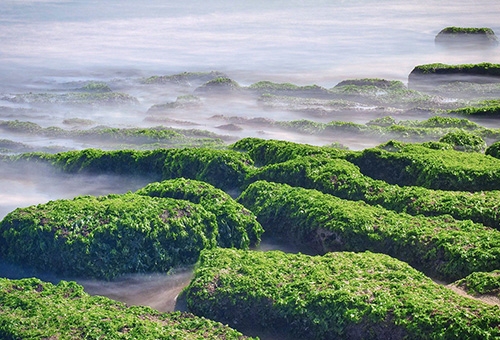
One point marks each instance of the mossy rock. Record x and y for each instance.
(220, 85)
(187, 102)
(33, 309)
(464, 141)
(107, 236)
(265, 152)
(426, 77)
(238, 227)
(335, 296)
(416, 165)
(95, 86)
(492, 111)
(83, 98)
(481, 283)
(343, 179)
(466, 37)
(288, 89)
(184, 78)
(493, 150)
(440, 246)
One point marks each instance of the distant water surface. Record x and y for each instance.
(303, 42)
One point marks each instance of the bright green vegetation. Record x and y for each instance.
(107, 236)
(464, 141)
(265, 152)
(481, 283)
(417, 165)
(432, 77)
(343, 179)
(225, 169)
(237, 226)
(32, 309)
(456, 35)
(336, 296)
(488, 69)
(439, 246)
(487, 111)
(467, 30)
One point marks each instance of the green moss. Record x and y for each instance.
(414, 164)
(439, 246)
(96, 86)
(488, 111)
(464, 141)
(237, 226)
(264, 152)
(335, 296)
(107, 236)
(32, 309)
(467, 69)
(481, 283)
(343, 179)
(184, 78)
(467, 30)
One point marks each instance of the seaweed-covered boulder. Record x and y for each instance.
(439, 246)
(225, 169)
(187, 102)
(426, 77)
(343, 179)
(33, 309)
(466, 37)
(107, 236)
(264, 152)
(185, 78)
(481, 283)
(220, 85)
(464, 141)
(237, 226)
(335, 296)
(493, 150)
(417, 165)
(288, 89)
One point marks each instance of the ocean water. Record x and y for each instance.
(303, 42)
(49, 42)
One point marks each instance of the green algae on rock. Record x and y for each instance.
(339, 295)
(466, 37)
(464, 141)
(427, 77)
(343, 179)
(33, 309)
(106, 236)
(417, 165)
(237, 226)
(440, 246)
(481, 283)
